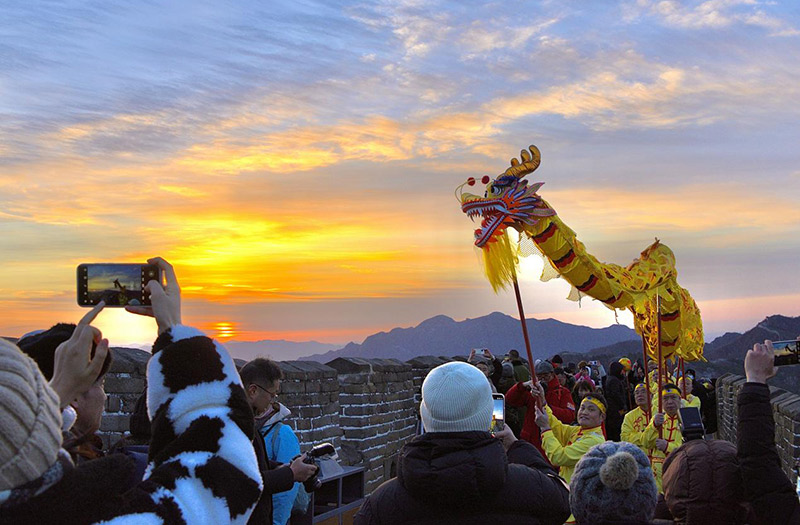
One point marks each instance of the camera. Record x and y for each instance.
(691, 423)
(322, 451)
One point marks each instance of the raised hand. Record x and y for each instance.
(759, 363)
(75, 369)
(165, 299)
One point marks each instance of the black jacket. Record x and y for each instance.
(617, 398)
(467, 478)
(767, 487)
(277, 478)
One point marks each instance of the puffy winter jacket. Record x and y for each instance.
(467, 478)
(767, 487)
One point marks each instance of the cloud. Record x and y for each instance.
(713, 14)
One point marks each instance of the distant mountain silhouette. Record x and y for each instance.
(279, 350)
(441, 335)
(774, 327)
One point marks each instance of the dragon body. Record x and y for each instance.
(510, 202)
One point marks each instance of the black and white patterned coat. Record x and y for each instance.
(202, 467)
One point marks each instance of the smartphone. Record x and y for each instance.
(117, 284)
(786, 352)
(498, 413)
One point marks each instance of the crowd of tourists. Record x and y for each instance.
(209, 443)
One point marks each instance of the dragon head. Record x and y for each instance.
(508, 200)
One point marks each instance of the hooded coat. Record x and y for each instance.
(617, 397)
(468, 478)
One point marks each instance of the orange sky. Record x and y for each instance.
(301, 181)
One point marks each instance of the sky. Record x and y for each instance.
(296, 161)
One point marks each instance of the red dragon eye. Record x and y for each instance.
(485, 179)
(471, 181)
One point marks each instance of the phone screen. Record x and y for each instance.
(786, 352)
(116, 284)
(498, 412)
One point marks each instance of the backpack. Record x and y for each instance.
(303, 498)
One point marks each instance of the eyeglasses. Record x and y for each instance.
(273, 394)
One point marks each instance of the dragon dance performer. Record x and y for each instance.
(566, 444)
(636, 421)
(689, 400)
(671, 437)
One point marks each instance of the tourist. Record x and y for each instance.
(558, 398)
(262, 383)
(617, 397)
(770, 492)
(458, 472)
(202, 466)
(613, 485)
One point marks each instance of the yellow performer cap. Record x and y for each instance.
(640, 386)
(626, 363)
(599, 404)
(667, 390)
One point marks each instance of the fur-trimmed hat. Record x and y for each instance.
(30, 419)
(613, 482)
(456, 397)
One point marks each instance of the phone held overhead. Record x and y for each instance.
(117, 284)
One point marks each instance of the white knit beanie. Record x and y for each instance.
(456, 397)
(30, 419)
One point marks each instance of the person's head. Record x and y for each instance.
(613, 482)
(456, 398)
(557, 361)
(513, 354)
(31, 417)
(89, 406)
(641, 396)
(651, 365)
(561, 375)
(616, 369)
(582, 365)
(483, 366)
(544, 371)
(670, 399)
(626, 364)
(686, 385)
(582, 388)
(262, 383)
(592, 411)
(702, 483)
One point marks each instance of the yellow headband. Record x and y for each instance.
(596, 402)
(667, 390)
(640, 386)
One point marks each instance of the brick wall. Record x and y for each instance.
(367, 408)
(785, 410)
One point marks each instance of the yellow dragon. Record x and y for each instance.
(510, 202)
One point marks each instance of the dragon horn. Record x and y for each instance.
(530, 161)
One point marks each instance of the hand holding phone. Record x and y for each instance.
(166, 299)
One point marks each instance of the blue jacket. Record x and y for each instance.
(282, 446)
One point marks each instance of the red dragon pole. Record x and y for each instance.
(524, 329)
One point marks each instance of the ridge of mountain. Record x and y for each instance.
(442, 335)
(277, 349)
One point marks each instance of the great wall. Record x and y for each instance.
(368, 407)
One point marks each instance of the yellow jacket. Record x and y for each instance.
(633, 427)
(672, 434)
(690, 401)
(566, 444)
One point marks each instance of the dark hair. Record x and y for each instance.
(583, 384)
(260, 369)
(41, 347)
(557, 359)
(513, 353)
